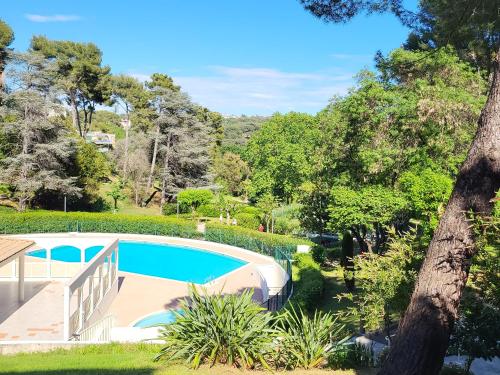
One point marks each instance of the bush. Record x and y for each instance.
(308, 282)
(285, 225)
(246, 220)
(194, 198)
(306, 341)
(318, 253)
(169, 209)
(229, 329)
(352, 355)
(57, 221)
(251, 210)
(208, 210)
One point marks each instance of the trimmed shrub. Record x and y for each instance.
(347, 260)
(246, 220)
(318, 254)
(57, 221)
(208, 210)
(286, 225)
(308, 282)
(169, 209)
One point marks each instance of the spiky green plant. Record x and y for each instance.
(306, 341)
(229, 329)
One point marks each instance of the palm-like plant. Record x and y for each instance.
(306, 341)
(229, 329)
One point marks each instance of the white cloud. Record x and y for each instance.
(242, 90)
(237, 90)
(53, 18)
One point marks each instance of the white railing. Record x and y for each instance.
(90, 292)
(97, 332)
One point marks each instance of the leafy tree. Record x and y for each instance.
(313, 214)
(79, 74)
(231, 171)
(267, 203)
(194, 198)
(116, 193)
(278, 155)
(427, 193)
(6, 38)
(476, 39)
(365, 212)
(425, 329)
(347, 260)
(41, 147)
(385, 282)
(129, 93)
(476, 331)
(92, 167)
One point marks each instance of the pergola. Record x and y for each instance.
(10, 250)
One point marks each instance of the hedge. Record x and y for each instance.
(57, 221)
(251, 239)
(308, 282)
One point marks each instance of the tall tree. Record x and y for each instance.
(6, 38)
(423, 334)
(159, 84)
(80, 75)
(129, 94)
(42, 146)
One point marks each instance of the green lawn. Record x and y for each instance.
(334, 285)
(121, 359)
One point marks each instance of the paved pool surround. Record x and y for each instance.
(138, 295)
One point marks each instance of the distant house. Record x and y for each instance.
(104, 141)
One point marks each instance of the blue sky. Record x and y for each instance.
(232, 56)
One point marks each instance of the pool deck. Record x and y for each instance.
(40, 317)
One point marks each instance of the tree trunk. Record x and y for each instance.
(423, 334)
(153, 160)
(166, 172)
(74, 114)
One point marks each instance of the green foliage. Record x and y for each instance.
(476, 332)
(6, 35)
(284, 225)
(279, 155)
(56, 222)
(347, 260)
(352, 355)
(209, 210)
(266, 204)
(426, 192)
(194, 198)
(92, 166)
(318, 253)
(246, 220)
(385, 282)
(308, 282)
(370, 208)
(250, 239)
(232, 172)
(238, 130)
(306, 341)
(229, 329)
(117, 193)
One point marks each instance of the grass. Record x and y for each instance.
(334, 285)
(123, 359)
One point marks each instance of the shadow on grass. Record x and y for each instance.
(100, 371)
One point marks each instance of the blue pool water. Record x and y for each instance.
(160, 260)
(166, 317)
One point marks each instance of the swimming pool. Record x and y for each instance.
(161, 260)
(164, 317)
